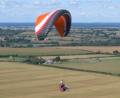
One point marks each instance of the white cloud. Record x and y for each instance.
(55, 1)
(29, 9)
(113, 7)
(74, 2)
(83, 14)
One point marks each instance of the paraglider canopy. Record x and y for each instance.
(61, 19)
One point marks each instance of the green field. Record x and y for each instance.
(103, 65)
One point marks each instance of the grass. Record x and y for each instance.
(18, 80)
(107, 65)
(41, 51)
(53, 51)
(12, 59)
(102, 49)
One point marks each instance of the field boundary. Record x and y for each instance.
(82, 70)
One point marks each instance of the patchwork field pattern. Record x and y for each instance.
(18, 80)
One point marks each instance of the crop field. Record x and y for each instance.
(45, 51)
(18, 80)
(89, 75)
(76, 58)
(42, 51)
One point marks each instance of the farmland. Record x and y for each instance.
(42, 51)
(11, 37)
(76, 58)
(18, 80)
(89, 74)
(45, 51)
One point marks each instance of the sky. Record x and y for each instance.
(81, 10)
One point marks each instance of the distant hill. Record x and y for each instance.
(75, 25)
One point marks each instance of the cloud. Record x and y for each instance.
(27, 10)
(9, 3)
(74, 2)
(114, 7)
(83, 14)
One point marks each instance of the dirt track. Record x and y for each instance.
(29, 81)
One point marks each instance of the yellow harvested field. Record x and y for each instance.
(42, 51)
(18, 80)
(58, 50)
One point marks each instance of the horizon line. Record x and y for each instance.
(72, 22)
